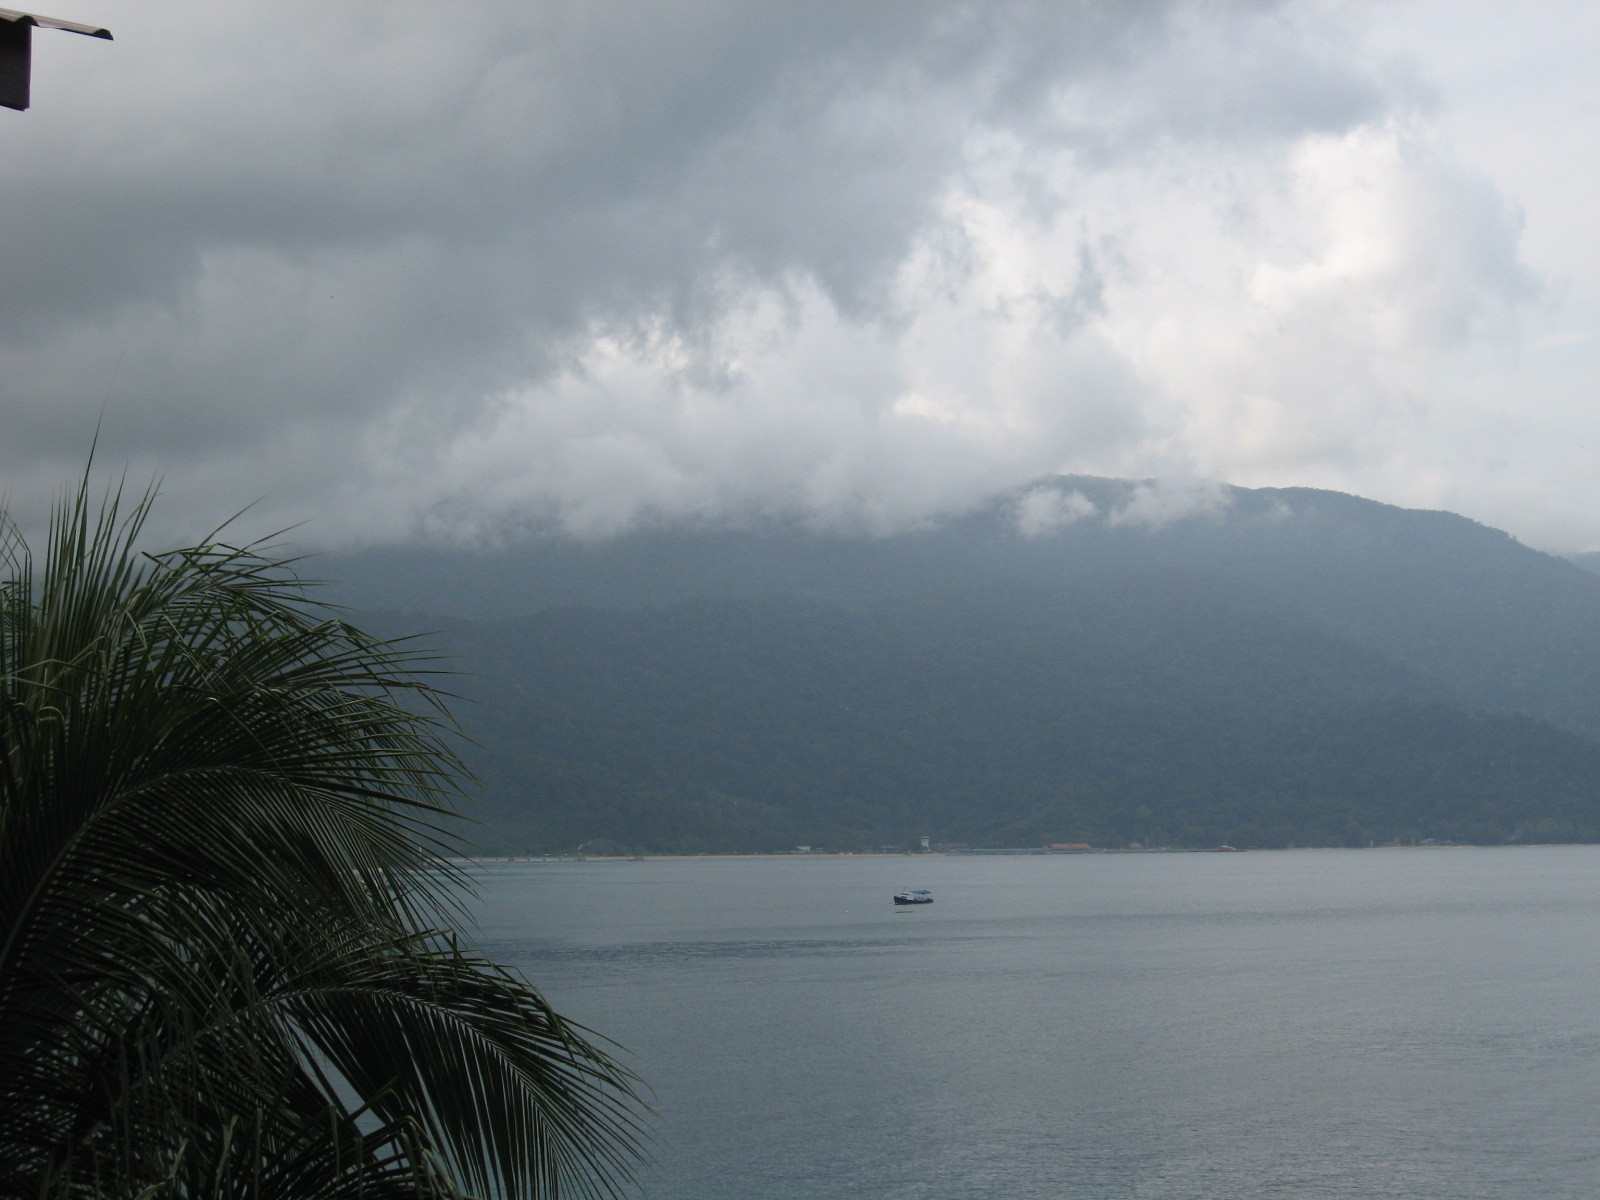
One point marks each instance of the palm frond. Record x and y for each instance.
(225, 966)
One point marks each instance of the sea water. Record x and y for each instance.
(1383, 1023)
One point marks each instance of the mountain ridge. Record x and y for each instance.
(1089, 660)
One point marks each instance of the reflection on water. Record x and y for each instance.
(534, 956)
(1299, 1024)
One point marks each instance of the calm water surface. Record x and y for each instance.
(1396, 1023)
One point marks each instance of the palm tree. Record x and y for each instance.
(225, 959)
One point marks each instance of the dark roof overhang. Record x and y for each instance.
(16, 50)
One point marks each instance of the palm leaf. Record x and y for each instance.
(225, 965)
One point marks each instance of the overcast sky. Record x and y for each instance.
(448, 270)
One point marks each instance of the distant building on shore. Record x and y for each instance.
(1069, 847)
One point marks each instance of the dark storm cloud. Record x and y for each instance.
(273, 219)
(441, 267)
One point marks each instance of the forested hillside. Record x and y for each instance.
(1266, 668)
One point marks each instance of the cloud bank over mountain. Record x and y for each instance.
(449, 272)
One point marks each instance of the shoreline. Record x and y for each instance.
(625, 858)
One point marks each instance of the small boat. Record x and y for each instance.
(914, 896)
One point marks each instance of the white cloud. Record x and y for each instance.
(408, 270)
(1155, 503)
(1044, 510)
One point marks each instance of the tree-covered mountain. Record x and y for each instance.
(1094, 660)
(1589, 560)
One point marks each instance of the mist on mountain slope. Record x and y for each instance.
(1086, 660)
